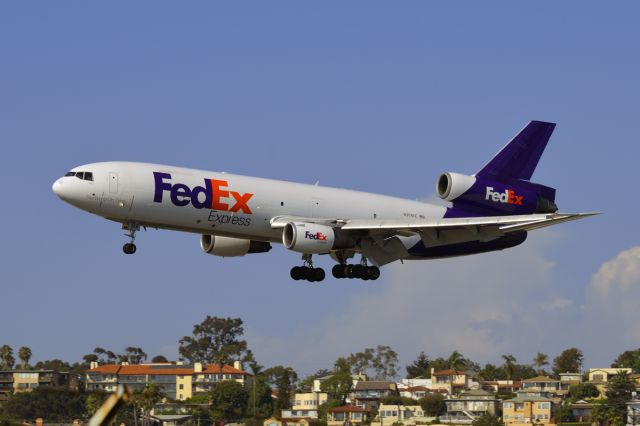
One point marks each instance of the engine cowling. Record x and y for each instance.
(231, 247)
(309, 238)
(483, 195)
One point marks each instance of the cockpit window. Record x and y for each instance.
(81, 175)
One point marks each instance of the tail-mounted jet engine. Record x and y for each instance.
(513, 196)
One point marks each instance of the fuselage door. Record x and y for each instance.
(113, 183)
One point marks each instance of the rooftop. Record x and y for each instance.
(163, 369)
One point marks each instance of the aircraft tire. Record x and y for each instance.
(359, 271)
(297, 273)
(339, 271)
(373, 272)
(129, 248)
(317, 274)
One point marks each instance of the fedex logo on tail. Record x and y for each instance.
(317, 236)
(213, 195)
(507, 197)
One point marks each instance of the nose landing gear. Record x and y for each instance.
(307, 272)
(130, 247)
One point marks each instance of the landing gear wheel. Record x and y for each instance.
(359, 271)
(298, 273)
(338, 271)
(317, 274)
(373, 273)
(129, 248)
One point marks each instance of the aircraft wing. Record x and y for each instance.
(387, 240)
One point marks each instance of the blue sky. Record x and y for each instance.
(372, 96)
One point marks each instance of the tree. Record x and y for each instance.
(159, 359)
(58, 404)
(214, 341)
(487, 420)
(628, 359)
(618, 393)
(284, 383)
(539, 361)
(89, 358)
(509, 365)
(339, 385)
(133, 355)
(55, 365)
(569, 361)
(24, 353)
(382, 360)
(604, 415)
(491, 372)
(6, 357)
(259, 403)
(564, 414)
(433, 405)
(582, 391)
(456, 361)
(228, 400)
(438, 364)
(146, 399)
(420, 368)
(105, 356)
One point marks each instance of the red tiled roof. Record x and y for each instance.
(163, 369)
(348, 409)
(417, 388)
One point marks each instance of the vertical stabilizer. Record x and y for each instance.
(519, 158)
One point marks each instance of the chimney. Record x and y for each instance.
(124, 363)
(237, 365)
(180, 363)
(93, 364)
(39, 421)
(197, 367)
(432, 371)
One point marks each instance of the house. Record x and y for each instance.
(405, 414)
(569, 379)
(581, 410)
(368, 394)
(415, 392)
(346, 415)
(543, 386)
(600, 376)
(175, 381)
(527, 409)
(470, 405)
(13, 381)
(305, 405)
(501, 387)
(272, 421)
(454, 380)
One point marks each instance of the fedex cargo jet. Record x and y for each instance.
(238, 215)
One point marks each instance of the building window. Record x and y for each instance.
(181, 386)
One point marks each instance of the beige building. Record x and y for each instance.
(470, 405)
(600, 376)
(13, 381)
(526, 410)
(405, 414)
(176, 381)
(347, 415)
(453, 381)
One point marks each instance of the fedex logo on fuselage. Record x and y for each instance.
(507, 197)
(213, 195)
(317, 236)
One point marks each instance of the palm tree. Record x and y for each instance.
(509, 365)
(6, 357)
(24, 353)
(456, 362)
(539, 361)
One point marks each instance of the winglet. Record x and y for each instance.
(519, 158)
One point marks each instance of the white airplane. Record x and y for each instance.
(238, 215)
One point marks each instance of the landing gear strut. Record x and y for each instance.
(130, 247)
(307, 272)
(361, 270)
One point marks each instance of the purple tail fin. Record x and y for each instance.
(519, 158)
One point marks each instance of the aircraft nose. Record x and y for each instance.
(58, 188)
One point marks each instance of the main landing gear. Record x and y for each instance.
(130, 247)
(362, 271)
(307, 272)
